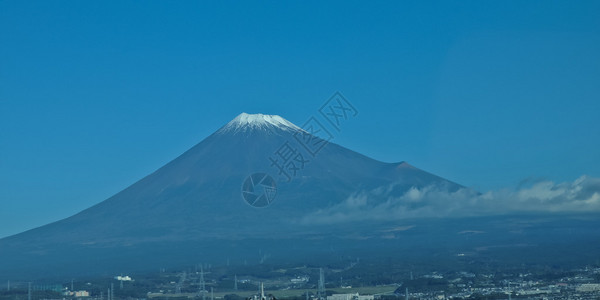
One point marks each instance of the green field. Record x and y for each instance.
(365, 290)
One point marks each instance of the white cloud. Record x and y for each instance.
(581, 195)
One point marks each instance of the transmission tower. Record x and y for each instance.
(180, 283)
(202, 288)
(321, 291)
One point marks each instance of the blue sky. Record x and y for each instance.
(94, 95)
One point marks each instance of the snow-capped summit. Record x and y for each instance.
(246, 121)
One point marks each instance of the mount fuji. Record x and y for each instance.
(193, 210)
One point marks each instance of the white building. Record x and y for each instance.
(350, 297)
(300, 279)
(77, 293)
(589, 287)
(123, 278)
(82, 294)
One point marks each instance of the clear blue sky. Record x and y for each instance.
(94, 95)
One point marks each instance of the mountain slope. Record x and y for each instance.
(197, 198)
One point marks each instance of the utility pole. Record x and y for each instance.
(321, 291)
(202, 283)
(235, 282)
(262, 292)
